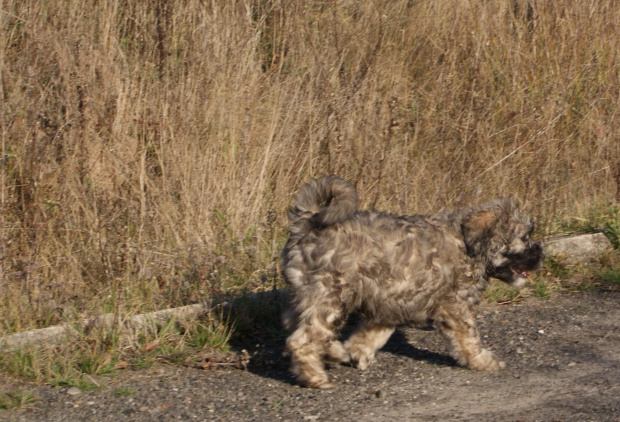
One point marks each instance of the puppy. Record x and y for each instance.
(393, 270)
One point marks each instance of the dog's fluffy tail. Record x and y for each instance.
(321, 203)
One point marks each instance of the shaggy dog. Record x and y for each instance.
(393, 270)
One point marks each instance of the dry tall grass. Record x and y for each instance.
(150, 148)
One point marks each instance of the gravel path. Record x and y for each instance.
(562, 355)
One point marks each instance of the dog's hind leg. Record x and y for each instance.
(365, 341)
(335, 352)
(313, 339)
(457, 324)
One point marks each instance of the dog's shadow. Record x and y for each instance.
(273, 362)
(264, 337)
(400, 345)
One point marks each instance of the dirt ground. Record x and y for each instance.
(562, 355)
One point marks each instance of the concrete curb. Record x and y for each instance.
(71, 331)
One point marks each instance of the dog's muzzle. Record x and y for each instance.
(516, 269)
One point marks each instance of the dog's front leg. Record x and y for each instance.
(457, 323)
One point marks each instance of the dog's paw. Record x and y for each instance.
(486, 361)
(326, 385)
(360, 354)
(320, 382)
(361, 360)
(364, 362)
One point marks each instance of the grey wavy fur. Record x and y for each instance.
(393, 270)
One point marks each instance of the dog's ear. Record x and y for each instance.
(478, 229)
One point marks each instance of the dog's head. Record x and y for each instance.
(498, 232)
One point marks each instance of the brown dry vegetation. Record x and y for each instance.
(151, 148)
